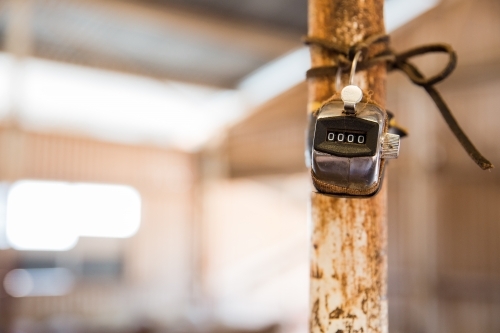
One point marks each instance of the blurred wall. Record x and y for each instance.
(156, 267)
(256, 251)
(444, 218)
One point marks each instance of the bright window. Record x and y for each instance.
(47, 215)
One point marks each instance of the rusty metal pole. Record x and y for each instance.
(348, 258)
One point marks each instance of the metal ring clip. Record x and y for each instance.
(338, 78)
(353, 67)
(352, 94)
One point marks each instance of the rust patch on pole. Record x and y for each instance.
(348, 259)
(348, 265)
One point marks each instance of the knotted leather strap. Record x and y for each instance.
(400, 61)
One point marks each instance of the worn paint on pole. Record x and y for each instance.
(348, 258)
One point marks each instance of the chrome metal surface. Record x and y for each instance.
(331, 168)
(390, 146)
(365, 111)
(364, 172)
(359, 173)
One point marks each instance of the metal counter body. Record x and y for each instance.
(353, 164)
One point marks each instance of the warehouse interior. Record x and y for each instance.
(152, 176)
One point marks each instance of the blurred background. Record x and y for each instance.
(153, 179)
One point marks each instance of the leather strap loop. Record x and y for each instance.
(401, 62)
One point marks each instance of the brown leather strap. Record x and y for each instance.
(400, 61)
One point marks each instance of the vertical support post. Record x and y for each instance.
(348, 258)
